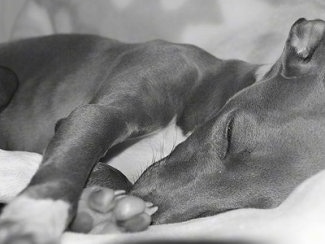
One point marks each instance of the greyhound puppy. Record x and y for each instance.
(251, 142)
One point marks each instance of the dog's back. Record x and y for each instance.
(70, 67)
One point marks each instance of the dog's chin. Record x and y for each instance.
(170, 217)
(161, 219)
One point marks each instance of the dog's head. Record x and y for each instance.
(267, 139)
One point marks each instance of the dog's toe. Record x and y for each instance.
(95, 207)
(83, 222)
(102, 210)
(102, 200)
(137, 223)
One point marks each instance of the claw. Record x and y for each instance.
(119, 197)
(149, 204)
(119, 192)
(151, 210)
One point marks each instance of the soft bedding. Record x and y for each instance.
(299, 219)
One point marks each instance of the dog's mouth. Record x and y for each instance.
(169, 216)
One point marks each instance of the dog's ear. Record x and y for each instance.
(8, 86)
(304, 38)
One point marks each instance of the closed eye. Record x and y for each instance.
(229, 134)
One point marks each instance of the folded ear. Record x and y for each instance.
(304, 38)
(8, 86)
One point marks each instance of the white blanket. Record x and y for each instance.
(300, 219)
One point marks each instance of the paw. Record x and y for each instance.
(33, 221)
(102, 210)
(14, 233)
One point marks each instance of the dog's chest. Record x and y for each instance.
(136, 158)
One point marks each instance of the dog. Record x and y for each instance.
(250, 140)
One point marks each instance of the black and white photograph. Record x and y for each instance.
(162, 121)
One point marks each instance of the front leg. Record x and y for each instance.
(43, 210)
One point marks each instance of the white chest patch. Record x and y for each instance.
(136, 158)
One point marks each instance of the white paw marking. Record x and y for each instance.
(44, 219)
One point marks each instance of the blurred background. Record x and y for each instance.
(253, 30)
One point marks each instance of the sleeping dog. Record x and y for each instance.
(251, 141)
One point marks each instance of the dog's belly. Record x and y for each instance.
(136, 158)
(30, 128)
